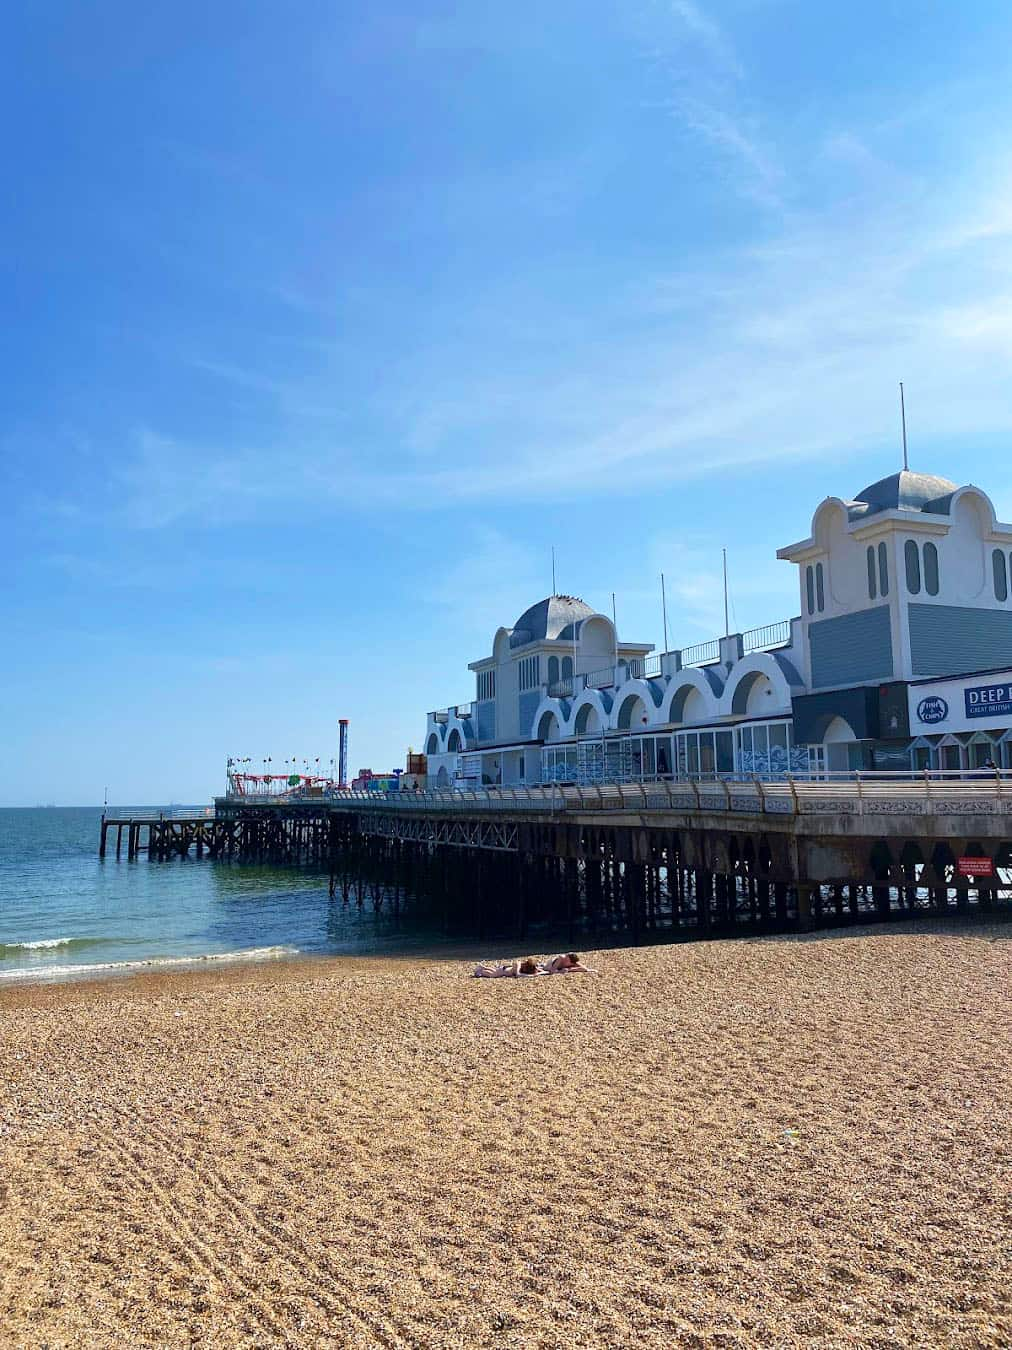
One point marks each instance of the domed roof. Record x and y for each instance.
(904, 491)
(549, 618)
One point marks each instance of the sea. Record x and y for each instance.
(66, 914)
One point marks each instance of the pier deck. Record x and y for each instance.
(709, 856)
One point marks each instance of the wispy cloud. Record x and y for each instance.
(708, 97)
(709, 35)
(782, 342)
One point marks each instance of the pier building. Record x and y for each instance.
(900, 659)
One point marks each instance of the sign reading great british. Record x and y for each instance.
(988, 700)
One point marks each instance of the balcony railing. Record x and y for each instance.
(600, 679)
(561, 688)
(702, 654)
(763, 639)
(465, 710)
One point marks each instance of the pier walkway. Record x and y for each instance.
(708, 855)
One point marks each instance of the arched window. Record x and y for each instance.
(1000, 575)
(820, 591)
(883, 569)
(871, 572)
(810, 586)
(553, 669)
(567, 667)
(931, 569)
(912, 559)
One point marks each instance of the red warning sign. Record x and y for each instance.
(975, 867)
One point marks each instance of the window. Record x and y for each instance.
(951, 757)
(745, 740)
(725, 752)
(529, 672)
(912, 560)
(1000, 575)
(761, 747)
(692, 745)
(780, 760)
(883, 569)
(810, 585)
(553, 669)
(871, 573)
(567, 667)
(931, 569)
(981, 753)
(707, 762)
(486, 684)
(820, 593)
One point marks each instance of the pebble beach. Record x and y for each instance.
(769, 1142)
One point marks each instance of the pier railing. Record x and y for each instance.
(935, 792)
(763, 639)
(702, 654)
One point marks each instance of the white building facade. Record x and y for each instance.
(906, 609)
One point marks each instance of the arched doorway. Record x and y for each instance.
(588, 721)
(632, 713)
(838, 739)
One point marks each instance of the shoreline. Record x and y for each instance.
(205, 973)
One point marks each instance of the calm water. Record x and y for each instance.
(64, 913)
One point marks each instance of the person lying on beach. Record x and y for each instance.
(569, 964)
(515, 968)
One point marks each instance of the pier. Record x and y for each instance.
(692, 858)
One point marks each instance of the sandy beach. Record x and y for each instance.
(764, 1142)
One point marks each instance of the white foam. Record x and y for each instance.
(42, 945)
(154, 964)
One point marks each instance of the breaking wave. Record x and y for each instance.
(26, 974)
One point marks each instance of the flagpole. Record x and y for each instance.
(903, 416)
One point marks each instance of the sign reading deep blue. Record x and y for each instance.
(988, 700)
(932, 709)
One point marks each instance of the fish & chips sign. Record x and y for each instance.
(988, 700)
(932, 709)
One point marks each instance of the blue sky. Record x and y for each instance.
(323, 324)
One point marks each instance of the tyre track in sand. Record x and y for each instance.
(320, 1278)
(180, 1234)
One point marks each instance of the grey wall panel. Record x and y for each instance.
(484, 717)
(950, 640)
(852, 648)
(814, 712)
(528, 707)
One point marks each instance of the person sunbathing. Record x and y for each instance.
(569, 964)
(510, 969)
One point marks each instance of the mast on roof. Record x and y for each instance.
(903, 419)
